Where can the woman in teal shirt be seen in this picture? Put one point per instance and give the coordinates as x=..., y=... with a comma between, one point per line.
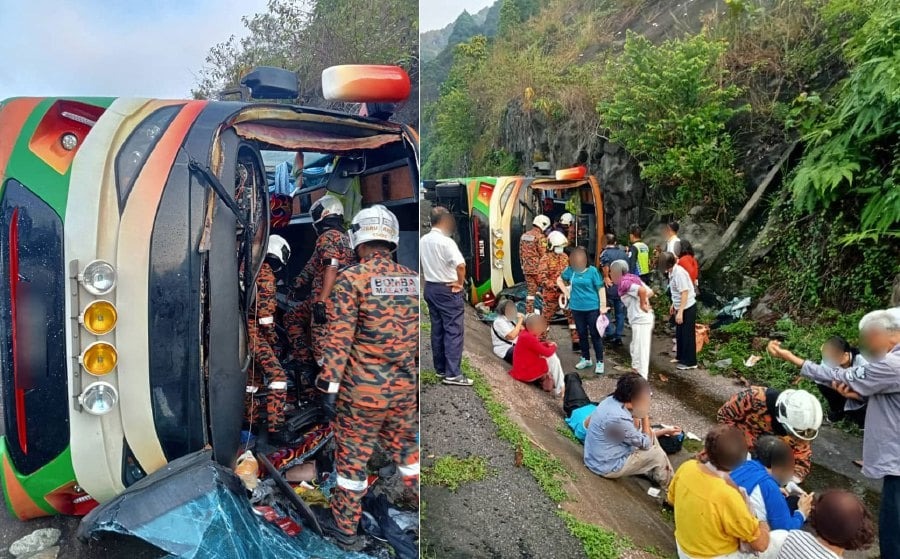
x=583, y=287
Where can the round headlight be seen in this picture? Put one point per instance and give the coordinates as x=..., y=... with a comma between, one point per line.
x=498, y=264
x=99, y=317
x=99, y=358
x=498, y=243
x=99, y=277
x=499, y=254
x=498, y=233
x=68, y=141
x=99, y=398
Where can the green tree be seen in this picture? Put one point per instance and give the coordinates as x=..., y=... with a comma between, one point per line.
x=667, y=106
x=464, y=28
x=853, y=147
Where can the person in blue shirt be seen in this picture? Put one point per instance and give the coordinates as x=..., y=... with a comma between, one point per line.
x=577, y=406
x=610, y=254
x=771, y=468
x=615, y=447
x=583, y=287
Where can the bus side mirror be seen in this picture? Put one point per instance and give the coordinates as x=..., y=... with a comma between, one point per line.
x=266, y=82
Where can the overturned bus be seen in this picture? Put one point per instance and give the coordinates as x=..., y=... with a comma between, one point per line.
x=128, y=228
x=492, y=213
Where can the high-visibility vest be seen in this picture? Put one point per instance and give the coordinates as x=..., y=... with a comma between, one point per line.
x=641, y=260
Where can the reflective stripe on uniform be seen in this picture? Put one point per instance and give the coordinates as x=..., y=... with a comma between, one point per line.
x=334, y=263
x=352, y=484
x=529, y=298
x=571, y=326
x=252, y=389
x=333, y=387
x=278, y=385
x=409, y=470
x=266, y=320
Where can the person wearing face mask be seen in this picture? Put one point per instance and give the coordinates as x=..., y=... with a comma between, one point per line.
x=505, y=330
x=837, y=352
x=771, y=468
x=879, y=382
x=615, y=447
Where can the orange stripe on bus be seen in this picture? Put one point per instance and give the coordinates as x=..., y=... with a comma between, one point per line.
x=12, y=117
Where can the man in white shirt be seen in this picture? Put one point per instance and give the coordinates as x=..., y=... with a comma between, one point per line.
x=506, y=329
x=444, y=270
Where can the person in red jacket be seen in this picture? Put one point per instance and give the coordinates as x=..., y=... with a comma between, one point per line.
x=534, y=359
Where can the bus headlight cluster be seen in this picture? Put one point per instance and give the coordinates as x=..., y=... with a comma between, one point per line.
x=99, y=358
x=99, y=277
x=498, y=233
x=98, y=398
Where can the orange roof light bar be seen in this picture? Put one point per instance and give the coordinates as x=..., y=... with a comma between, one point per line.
x=365, y=83
x=571, y=173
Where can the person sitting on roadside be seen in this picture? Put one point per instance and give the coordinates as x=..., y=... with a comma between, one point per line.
x=505, y=329
x=837, y=352
x=534, y=359
x=841, y=523
x=636, y=297
x=793, y=415
x=615, y=447
x=771, y=468
x=712, y=518
x=577, y=406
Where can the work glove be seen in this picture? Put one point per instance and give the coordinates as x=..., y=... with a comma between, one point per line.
x=319, y=313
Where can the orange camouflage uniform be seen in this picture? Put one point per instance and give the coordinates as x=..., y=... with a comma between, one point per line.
x=532, y=248
x=371, y=360
x=267, y=371
x=747, y=410
x=552, y=266
x=306, y=337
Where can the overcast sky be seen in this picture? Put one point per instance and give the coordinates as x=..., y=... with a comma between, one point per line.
x=436, y=14
x=147, y=48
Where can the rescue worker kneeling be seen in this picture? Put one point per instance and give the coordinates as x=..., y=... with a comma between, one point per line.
x=370, y=368
x=267, y=371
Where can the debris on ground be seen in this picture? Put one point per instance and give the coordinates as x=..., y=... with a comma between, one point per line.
x=723, y=363
x=752, y=360
x=34, y=543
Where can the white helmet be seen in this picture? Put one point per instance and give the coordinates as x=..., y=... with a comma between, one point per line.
x=557, y=239
x=800, y=413
x=375, y=223
x=279, y=249
x=325, y=206
x=541, y=221
x=567, y=219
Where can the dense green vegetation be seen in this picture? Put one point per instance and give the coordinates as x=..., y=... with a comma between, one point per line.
x=309, y=36
x=699, y=103
x=451, y=471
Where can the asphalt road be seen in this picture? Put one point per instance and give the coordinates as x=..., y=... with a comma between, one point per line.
x=506, y=515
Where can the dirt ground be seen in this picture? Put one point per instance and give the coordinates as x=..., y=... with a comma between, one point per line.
x=686, y=399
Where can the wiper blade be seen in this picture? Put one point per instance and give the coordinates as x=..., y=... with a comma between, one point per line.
x=217, y=186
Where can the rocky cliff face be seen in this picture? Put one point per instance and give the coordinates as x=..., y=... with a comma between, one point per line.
x=532, y=136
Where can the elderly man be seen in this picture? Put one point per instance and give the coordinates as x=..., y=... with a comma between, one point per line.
x=444, y=270
x=879, y=381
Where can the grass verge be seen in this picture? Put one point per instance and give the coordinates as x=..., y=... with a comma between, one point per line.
x=546, y=469
x=598, y=542
x=429, y=377
x=451, y=472
x=564, y=430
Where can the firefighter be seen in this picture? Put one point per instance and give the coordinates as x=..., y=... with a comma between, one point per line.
x=552, y=266
x=305, y=323
x=565, y=225
x=370, y=370
x=267, y=372
x=532, y=248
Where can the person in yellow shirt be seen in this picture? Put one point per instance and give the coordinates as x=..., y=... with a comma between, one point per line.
x=712, y=517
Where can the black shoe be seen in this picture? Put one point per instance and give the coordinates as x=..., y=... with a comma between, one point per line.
x=331, y=531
